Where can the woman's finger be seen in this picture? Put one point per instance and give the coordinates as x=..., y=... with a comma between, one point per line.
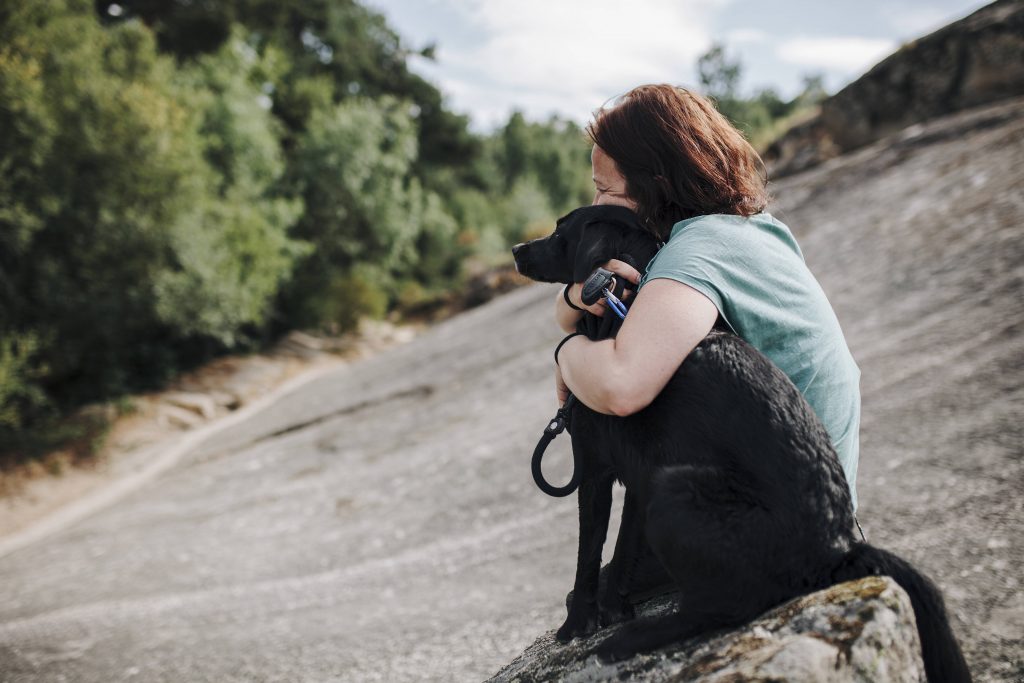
x=624, y=270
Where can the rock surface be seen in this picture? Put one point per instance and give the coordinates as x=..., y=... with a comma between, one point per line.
x=976, y=60
x=858, y=631
x=202, y=405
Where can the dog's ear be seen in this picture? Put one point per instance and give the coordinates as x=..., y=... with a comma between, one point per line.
x=597, y=245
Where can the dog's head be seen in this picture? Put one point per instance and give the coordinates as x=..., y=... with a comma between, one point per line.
x=583, y=240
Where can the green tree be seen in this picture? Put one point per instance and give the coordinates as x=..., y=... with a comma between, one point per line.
x=137, y=215
x=552, y=158
x=718, y=75
x=235, y=254
x=336, y=48
x=366, y=212
x=107, y=180
x=765, y=114
x=20, y=394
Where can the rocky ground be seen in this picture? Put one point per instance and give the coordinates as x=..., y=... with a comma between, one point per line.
x=380, y=522
x=32, y=494
x=919, y=242
x=849, y=633
x=968, y=63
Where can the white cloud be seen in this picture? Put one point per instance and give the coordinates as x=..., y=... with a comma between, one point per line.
x=745, y=35
x=570, y=56
x=850, y=54
x=567, y=56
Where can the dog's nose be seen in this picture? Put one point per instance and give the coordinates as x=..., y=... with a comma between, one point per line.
x=515, y=255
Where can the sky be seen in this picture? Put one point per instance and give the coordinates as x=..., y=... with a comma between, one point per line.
x=568, y=57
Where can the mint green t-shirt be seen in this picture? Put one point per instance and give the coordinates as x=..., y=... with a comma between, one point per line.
x=754, y=273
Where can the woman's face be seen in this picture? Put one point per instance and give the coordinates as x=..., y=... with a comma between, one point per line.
x=610, y=185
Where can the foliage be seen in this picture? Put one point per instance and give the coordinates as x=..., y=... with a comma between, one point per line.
x=335, y=49
x=20, y=395
x=756, y=116
x=364, y=207
x=136, y=213
x=235, y=254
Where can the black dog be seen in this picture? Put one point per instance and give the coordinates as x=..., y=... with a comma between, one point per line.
x=728, y=473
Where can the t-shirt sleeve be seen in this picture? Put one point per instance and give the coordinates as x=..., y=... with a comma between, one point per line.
x=694, y=260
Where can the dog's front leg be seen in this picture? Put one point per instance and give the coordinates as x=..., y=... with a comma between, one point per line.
x=595, y=501
x=613, y=605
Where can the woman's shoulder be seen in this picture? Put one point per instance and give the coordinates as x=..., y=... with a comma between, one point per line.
x=711, y=223
x=732, y=234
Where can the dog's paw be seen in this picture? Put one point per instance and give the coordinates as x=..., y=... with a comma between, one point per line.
x=643, y=635
x=579, y=624
x=616, y=648
x=615, y=609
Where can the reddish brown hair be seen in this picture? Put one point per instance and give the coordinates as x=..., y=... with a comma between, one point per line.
x=680, y=157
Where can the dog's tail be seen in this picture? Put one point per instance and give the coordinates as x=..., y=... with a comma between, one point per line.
x=943, y=660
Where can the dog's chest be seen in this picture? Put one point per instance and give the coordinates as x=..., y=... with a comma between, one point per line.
x=606, y=445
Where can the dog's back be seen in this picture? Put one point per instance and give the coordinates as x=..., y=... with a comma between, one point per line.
x=730, y=410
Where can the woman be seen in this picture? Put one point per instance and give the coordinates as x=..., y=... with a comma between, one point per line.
x=696, y=184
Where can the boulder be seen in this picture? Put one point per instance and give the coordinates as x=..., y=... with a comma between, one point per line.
x=974, y=61
x=862, y=630
x=200, y=404
x=178, y=417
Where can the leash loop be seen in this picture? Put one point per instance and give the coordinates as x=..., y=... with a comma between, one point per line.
x=555, y=427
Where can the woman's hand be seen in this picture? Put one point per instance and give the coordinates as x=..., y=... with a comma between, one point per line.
x=568, y=317
x=567, y=320
x=622, y=270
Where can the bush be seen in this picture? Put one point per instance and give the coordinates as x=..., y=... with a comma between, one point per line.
x=365, y=210
x=21, y=396
x=138, y=202
x=177, y=182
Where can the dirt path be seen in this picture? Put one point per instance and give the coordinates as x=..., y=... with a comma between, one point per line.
x=161, y=425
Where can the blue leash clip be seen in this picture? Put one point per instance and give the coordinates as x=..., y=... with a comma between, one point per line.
x=615, y=303
x=599, y=284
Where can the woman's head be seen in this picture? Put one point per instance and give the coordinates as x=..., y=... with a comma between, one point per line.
x=678, y=157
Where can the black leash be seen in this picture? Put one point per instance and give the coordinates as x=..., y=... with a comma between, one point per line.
x=599, y=284
x=557, y=425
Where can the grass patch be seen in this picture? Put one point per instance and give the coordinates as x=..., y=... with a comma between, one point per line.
x=61, y=441
x=764, y=137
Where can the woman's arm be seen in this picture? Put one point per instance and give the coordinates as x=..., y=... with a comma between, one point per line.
x=623, y=375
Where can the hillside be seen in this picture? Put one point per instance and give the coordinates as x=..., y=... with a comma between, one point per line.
x=971, y=62
x=381, y=523
x=918, y=241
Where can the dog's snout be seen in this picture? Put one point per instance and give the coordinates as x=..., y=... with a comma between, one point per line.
x=515, y=256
